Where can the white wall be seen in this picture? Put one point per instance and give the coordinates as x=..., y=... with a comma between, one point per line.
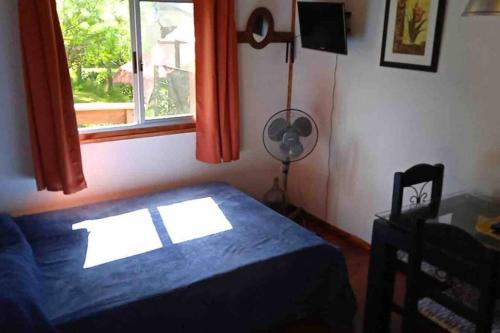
x=388, y=119
x=124, y=168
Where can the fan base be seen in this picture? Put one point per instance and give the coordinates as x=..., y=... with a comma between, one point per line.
x=295, y=214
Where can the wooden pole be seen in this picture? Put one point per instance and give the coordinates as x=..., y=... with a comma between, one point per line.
x=286, y=164
x=290, y=62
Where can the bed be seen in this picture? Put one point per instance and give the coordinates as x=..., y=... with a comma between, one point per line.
x=205, y=258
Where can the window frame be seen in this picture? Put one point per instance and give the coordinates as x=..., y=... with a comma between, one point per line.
x=144, y=127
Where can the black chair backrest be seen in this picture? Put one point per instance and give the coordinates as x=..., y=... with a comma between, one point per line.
x=418, y=174
x=461, y=256
x=454, y=250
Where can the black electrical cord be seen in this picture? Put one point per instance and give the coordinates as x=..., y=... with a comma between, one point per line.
x=330, y=140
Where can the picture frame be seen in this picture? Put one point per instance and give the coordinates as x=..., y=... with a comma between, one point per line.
x=412, y=34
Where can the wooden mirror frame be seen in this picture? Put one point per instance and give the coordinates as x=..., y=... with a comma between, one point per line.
x=271, y=37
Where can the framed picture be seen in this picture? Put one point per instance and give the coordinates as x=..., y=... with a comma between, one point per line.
x=412, y=34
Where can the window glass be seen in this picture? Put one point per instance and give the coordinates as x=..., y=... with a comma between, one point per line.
x=167, y=38
x=131, y=62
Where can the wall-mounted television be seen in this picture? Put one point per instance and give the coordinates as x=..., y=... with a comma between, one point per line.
x=323, y=26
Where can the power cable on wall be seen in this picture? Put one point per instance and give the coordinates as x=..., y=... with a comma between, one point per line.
x=330, y=140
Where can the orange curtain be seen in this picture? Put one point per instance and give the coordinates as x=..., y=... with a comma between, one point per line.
x=217, y=85
x=52, y=120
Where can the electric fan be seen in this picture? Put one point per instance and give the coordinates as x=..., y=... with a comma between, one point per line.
x=290, y=136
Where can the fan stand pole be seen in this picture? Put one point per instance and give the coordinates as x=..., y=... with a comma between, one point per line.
x=285, y=170
x=286, y=164
x=296, y=214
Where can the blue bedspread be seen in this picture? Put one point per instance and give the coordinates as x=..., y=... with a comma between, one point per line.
x=206, y=258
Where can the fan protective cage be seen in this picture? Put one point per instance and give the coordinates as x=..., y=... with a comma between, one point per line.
x=290, y=125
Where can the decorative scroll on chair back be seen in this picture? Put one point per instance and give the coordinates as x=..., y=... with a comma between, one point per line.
x=464, y=259
x=418, y=174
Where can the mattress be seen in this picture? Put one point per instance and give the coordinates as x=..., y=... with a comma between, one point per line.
x=202, y=258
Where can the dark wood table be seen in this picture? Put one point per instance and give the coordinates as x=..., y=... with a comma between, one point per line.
x=391, y=234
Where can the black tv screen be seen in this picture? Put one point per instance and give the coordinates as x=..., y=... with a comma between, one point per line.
x=323, y=26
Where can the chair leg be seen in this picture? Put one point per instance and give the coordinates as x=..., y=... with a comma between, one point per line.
x=410, y=313
x=487, y=302
x=485, y=323
x=380, y=287
x=486, y=317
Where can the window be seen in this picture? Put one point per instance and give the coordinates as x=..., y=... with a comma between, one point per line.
x=132, y=62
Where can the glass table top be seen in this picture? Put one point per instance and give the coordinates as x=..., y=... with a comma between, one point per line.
x=466, y=211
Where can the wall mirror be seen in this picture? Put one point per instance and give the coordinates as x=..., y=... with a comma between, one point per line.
x=260, y=30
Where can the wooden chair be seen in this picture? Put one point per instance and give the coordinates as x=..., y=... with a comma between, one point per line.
x=418, y=174
x=462, y=257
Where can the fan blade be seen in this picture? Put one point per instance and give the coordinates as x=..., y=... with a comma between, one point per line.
x=303, y=126
x=277, y=129
x=296, y=150
x=285, y=149
x=292, y=151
